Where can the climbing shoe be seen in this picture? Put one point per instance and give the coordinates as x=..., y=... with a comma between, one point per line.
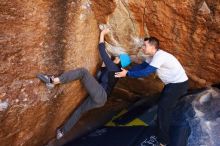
x=48, y=80
x=60, y=134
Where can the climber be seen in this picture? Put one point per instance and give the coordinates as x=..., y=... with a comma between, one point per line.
x=98, y=88
x=171, y=72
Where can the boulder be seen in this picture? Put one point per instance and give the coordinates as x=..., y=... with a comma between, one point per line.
x=55, y=36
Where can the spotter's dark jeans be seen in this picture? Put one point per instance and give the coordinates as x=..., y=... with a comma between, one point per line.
x=167, y=102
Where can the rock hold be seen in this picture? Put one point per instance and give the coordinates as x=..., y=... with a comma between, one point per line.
x=204, y=8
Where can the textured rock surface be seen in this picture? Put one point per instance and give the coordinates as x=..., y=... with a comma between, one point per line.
x=187, y=29
x=49, y=37
x=55, y=35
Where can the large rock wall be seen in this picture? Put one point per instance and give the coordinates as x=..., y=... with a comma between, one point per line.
x=58, y=35
x=190, y=31
x=187, y=29
x=48, y=37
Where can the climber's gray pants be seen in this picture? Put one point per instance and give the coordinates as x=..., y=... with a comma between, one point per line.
x=97, y=95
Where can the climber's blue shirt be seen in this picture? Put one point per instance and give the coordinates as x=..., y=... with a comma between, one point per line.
x=141, y=70
x=106, y=75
